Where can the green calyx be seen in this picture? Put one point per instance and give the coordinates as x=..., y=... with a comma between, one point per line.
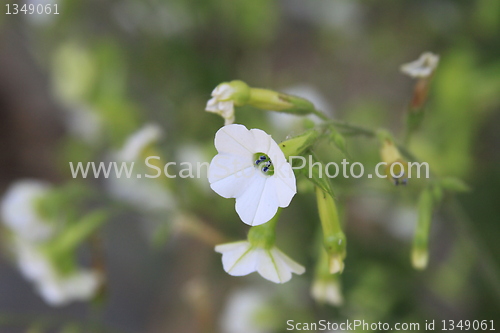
x=297, y=145
x=241, y=92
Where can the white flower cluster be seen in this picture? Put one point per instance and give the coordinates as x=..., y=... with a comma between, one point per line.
x=30, y=232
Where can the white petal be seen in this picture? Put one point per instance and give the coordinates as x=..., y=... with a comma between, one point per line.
x=229, y=175
x=227, y=247
x=285, y=184
x=272, y=268
x=292, y=265
x=212, y=105
x=261, y=141
x=224, y=92
x=235, y=139
x=19, y=213
x=285, y=188
x=238, y=258
x=258, y=204
x=138, y=141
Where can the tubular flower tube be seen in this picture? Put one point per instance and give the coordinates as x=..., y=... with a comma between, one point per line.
x=334, y=240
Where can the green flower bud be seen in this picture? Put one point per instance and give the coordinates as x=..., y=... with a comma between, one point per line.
x=297, y=145
x=271, y=100
x=334, y=240
x=419, y=254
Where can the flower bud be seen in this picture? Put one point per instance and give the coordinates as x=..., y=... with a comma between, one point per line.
x=271, y=100
x=226, y=96
x=396, y=168
x=326, y=287
x=334, y=240
x=297, y=145
x=419, y=255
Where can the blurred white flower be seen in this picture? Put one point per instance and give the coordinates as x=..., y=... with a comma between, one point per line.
x=136, y=144
x=241, y=258
x=241, y=312
x=84, y=123
x=221, y=103
x=251, y=168
x=61, y=290
x=144, y=193
x=55, y=289
x=327, y=291
x=423, y=67
x=19, y=210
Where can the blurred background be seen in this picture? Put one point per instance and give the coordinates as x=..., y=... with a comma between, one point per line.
x=75, y=86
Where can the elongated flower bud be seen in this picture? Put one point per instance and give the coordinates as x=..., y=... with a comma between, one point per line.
x=271, y=100
x=419, y=254
x=334, y=240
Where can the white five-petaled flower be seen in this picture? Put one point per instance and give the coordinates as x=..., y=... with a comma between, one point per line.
x=423, y=67
x=251, y=168
x=19, y=211
x=242, y=258
x=56, y=289
x=221, y=103
x=30, y=232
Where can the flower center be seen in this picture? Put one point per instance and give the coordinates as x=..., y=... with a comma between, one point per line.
x=264, y=163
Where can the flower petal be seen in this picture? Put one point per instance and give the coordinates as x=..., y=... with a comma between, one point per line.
x=229, y=175
x=261, y=141
x=292, y=265
x=272, y=268
x=258, y=204
x=235, y=139
x=237, y=258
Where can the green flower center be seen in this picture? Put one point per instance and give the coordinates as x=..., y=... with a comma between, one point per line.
x=264, y=163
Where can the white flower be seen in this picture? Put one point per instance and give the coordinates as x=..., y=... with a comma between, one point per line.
x=221, y=103
x=19, y=213
x=241, y=258
x=55, y=288
x=423, y=67
x=251, y=168
x=138, y=142
x=145, y=193
x=79, y=286
x=243, y=312
x=327, y=291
